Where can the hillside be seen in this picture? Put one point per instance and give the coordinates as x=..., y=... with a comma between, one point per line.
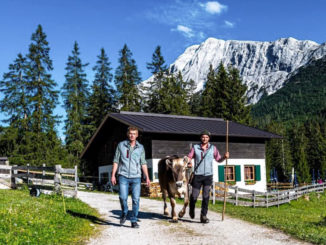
x=302, y=97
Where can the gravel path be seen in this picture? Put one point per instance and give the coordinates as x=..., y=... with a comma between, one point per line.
x=155, y=228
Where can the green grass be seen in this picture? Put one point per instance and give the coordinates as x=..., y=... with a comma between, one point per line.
x=302, y=219
x=41, y=220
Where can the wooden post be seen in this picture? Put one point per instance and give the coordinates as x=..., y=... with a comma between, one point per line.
x=267, y=199
x=236, y=195
x=57, y=179
x=13, y=179
x=278, y=199
x=254, y=195
x=226, y=164
x=214, y=192
x=27, y=174
x=76, y=181
x=43, y=174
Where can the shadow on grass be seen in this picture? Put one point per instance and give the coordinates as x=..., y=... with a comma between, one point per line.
x=91, y=218
x=320, y=223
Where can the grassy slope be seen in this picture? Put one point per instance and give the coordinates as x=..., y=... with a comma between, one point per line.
x=30, y=220
x=302, y=219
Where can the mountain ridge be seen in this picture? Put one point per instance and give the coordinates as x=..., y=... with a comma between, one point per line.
x=263, y=66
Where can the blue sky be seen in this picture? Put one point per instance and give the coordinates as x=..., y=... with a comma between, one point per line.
x=144, y=24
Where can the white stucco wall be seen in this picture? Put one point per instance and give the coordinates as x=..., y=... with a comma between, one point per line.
x=258, y=186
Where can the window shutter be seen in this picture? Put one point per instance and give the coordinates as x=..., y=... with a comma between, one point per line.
x=221, y=173
x=257, y=173
x=237, y=173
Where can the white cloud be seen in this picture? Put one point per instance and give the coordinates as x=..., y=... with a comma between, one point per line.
x=186, y=31
x=228, y=24
x=190, y=18
x=214, y=7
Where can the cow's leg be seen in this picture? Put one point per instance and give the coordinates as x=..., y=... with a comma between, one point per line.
x=185, y=204
x=173, y=214
x=166, y=211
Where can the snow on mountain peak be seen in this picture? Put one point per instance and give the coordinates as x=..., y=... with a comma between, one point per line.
x=263, y=66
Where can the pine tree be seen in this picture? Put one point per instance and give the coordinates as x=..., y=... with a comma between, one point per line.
x=298, y=144
x=103, y=97
x=207, y=108
x=14, y=86
x=238, y=111
x=75, y=94
x=278, y=154
x=43, y=96
x=174, y=96
x=224, y=95
x=316, y=147
x=159, y=70
x=127, y=78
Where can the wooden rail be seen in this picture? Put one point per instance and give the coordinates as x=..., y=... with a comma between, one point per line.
x=42, y=177
x=244, y=197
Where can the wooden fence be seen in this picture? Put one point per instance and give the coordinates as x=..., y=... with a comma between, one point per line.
x=244, y=197
x=44, y=178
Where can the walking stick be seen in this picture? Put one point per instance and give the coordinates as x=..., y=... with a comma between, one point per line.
x=226, y=164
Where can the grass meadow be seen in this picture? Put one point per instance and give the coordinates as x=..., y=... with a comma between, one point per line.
x=302, y=219
x=42, y=220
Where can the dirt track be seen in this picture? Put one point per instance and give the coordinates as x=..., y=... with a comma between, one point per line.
x=155, y=228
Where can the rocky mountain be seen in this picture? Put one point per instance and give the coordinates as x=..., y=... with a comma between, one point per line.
x=263, y=66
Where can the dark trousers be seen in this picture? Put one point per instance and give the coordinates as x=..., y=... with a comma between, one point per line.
x=198, y=182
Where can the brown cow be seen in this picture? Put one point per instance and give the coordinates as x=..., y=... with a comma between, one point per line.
x=173, y=181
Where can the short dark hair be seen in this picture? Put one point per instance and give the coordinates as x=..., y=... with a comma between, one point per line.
x=205, y=132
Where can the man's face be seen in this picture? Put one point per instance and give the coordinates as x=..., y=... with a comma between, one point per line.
x=204, y=139
x=132, y=135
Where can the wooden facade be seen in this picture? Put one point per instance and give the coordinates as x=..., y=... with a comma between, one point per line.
x=166, y=135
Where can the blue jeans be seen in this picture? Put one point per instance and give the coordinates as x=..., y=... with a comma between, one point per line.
x=134, y=184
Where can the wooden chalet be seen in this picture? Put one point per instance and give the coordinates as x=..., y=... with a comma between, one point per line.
x=164, y=135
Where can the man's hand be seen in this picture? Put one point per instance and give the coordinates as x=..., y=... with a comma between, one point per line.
x=188, y=161
x=148, y=182
x=113, y=180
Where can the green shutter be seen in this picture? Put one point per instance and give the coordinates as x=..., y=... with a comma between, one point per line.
x=257, y=173
x=221, y=173
x=237, y=173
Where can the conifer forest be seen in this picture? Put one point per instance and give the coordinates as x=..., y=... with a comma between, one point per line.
x=29, y=95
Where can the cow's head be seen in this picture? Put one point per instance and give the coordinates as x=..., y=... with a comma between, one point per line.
x=178, y=168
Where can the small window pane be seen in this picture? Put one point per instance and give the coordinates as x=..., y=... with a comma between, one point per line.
x=249, y=172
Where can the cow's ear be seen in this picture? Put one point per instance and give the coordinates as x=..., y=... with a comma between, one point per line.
x=168, y=163
x=185, y=160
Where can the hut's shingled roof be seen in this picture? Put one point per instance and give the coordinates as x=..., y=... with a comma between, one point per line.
x=173, y=124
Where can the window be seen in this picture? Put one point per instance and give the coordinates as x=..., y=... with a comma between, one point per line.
x=229, y=173
x=249, y=172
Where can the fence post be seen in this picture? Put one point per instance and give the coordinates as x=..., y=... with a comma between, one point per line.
x=27, y=174
x=278, y=199
x=13, y=179
x=236, y=195
x=254, y=194
x=76, y=181
x=57, y=179
x=266, y=199
x=214, y=192
x=289, y=196
x=43, y=174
